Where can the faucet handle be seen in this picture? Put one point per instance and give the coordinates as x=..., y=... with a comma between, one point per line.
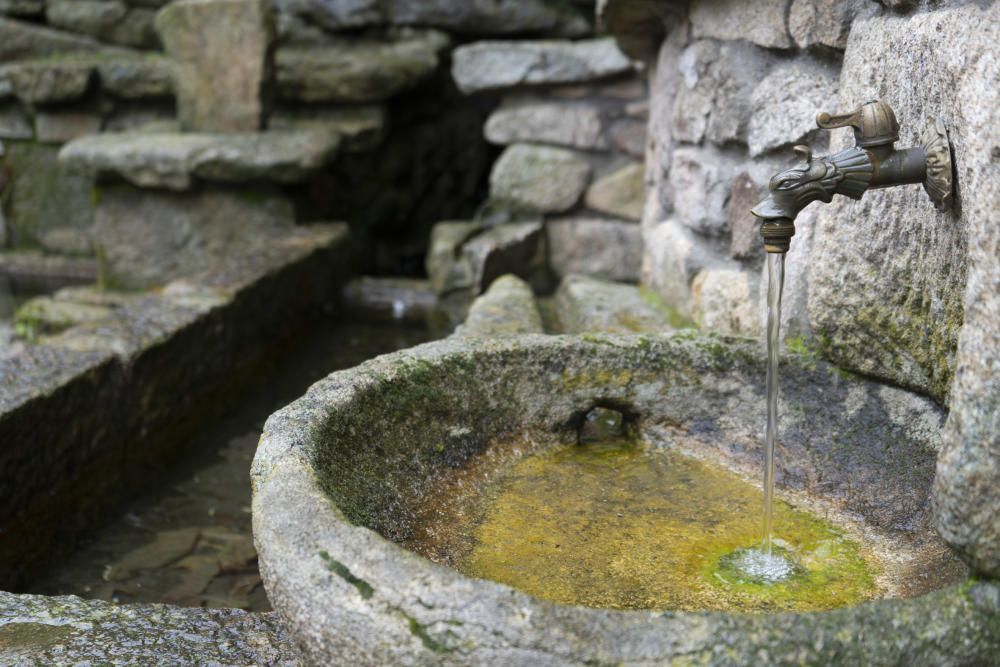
x=874, y=123
x=828, y=121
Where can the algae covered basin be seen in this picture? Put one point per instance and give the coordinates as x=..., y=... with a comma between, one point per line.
x=626, y=525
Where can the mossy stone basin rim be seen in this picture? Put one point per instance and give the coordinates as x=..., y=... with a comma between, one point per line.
x=339, y=473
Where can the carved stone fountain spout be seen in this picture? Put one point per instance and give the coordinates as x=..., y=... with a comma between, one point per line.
x=873, y=162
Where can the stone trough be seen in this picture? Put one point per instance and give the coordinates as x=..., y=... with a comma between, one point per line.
x=340, y=475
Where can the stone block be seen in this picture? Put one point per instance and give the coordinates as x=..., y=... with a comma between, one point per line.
x=49, y=82
x=507, y=308
x=759, y=21
x=517, y=248
x=358, y=69
x=585, y=304
x=672, y=256
x=444, y=270
x=113, y=21
x=175, y=160
x=14, y=122
x=701, y=180
x=22, y=8
x=744, y=227
x=621, y=193
x=150, y=237
x=21, y=40
x=572, y=125
x=724, y=300
x=205, y=38
x=539, y=178
x=784, y=105
x=629, y=136
x=136, y=77
x=608, y=249
x=499, y=65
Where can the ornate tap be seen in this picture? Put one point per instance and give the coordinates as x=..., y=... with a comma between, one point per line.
x=872, y=163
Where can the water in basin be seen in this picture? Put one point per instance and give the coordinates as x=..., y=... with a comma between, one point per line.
x=628, y=525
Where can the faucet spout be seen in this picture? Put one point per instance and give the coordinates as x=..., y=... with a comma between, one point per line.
x=872, y=163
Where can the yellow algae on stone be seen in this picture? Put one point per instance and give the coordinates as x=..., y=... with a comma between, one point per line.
x=627, y=526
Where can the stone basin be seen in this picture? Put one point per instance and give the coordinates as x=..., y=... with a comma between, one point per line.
x=340, y=475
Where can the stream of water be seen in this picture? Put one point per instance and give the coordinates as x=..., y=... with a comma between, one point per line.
x=775, y=283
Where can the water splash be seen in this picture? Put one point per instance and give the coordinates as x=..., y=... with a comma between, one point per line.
x=776, y=279
x=764, y=567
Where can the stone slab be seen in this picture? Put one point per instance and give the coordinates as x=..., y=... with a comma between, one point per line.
x=21, y=40
x=759, y=21
x=572, y=125
x=175, y=160
x=358, y=70
x=621, y=193
x=499, y=65
x=539, y=178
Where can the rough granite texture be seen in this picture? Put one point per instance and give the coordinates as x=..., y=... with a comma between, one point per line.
x=40, y=630
x=608, y=249
x=336, y=470
x=507, y=308
x=905, y=265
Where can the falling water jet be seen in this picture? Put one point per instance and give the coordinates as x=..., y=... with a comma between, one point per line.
x=776, y=279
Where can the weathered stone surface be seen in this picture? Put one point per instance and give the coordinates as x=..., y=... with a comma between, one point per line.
x=506, y=309
x=608, y=249
x=725, y=301
x=71, y=241
x=41, y=194
x=45, y=83
x=744, y=228
x=515, y=247
x=759, y=21
x=323, y=503
x=132, y=78
x=665, y=80
x=205, y=38
x=573, y=125
x=14, y=123
x=497, y=65
x=673, y=255
x=476, y=17
x=112, y=21
x=486, y=17
x=784, y=105
x=20, y=40
x=60, y=126
x=358, y=70
x=28, y=8
x=150, y=237
x=586, y=304
x=701, y=180
x=714, y=100
x=621, y=193
x=47, y=315
x=539, y=178
x=823, y=23
x=174, y=160
x=904, y=262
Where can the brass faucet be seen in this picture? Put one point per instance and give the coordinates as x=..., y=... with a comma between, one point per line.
x=872, y=163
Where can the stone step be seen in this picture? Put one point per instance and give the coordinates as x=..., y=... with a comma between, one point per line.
x=20, y=40
x=500, y=65
x=589, y=305
x=358, y=69
x=175, y=160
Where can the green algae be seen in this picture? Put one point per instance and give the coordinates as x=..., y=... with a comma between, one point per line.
x=627, y=526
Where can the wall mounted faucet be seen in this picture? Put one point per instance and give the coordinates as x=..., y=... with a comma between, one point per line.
x=872, y=163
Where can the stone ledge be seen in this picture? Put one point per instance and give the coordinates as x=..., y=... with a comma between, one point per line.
x=61, y=78
x=36, y=630
x=174, y=160
x=589, y=305
x=109, y=400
